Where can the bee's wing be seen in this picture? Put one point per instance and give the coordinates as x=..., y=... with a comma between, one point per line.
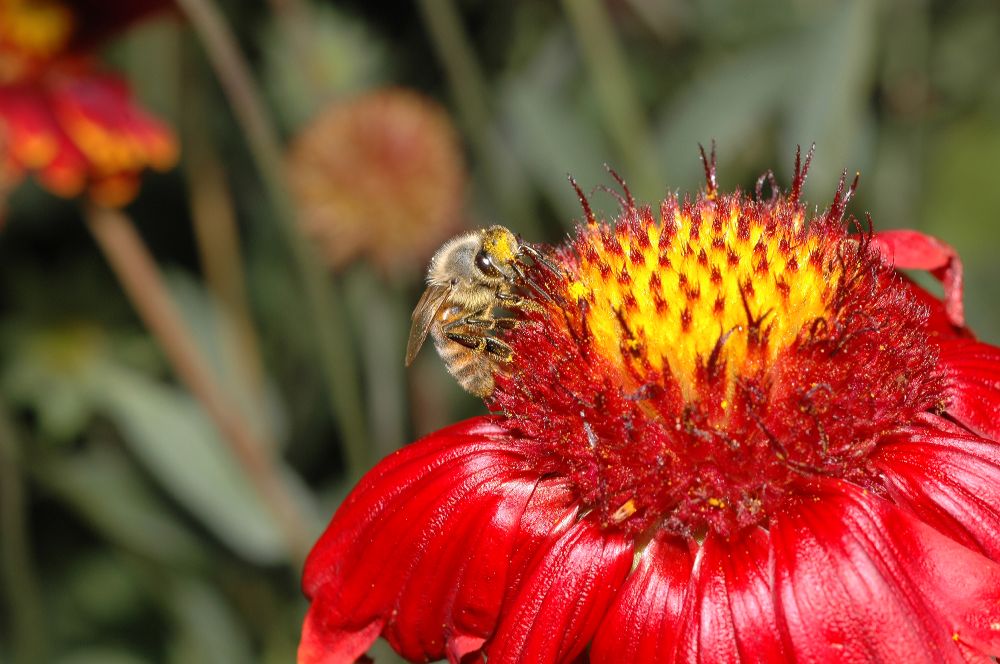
x=423, y=315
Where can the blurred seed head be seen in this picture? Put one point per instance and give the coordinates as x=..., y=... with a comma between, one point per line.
x=380, y=177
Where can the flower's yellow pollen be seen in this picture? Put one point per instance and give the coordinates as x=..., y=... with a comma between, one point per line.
x=687, y=295
x=717, y=503
x=577, y=291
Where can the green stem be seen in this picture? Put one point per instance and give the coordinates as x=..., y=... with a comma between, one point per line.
x=509, y=188
x=616, y=95
x=336, y=358
x=216, y=233
x=384, y=315
x=19, y=580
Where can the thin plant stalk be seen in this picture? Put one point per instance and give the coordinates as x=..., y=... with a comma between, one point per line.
x=27, y=623
x=336, y=358
x=295, y=19
x=616, y=96
x=137, y=272
x=385, y=317
x=471, y=93
x=217, y=238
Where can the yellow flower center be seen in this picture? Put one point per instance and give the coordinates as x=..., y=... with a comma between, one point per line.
x=703, y=287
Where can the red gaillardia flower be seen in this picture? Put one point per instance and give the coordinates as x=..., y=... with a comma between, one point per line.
x=733, y=433
x=72, y=123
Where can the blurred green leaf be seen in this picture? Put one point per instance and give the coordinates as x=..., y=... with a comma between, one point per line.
x=314, y=53
x=207, y=631
x=108, y=493
x=169, y=432
x=213, y=328
x=961, y=204
x=955, y=72
x=826, y=99
x=104, y=588
x=731, y=101
x=46, y=372
x=99, y=655
x=550, y=141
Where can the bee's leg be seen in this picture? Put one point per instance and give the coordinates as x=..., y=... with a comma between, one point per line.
x=481, y=321
x=477, y=319
x=513, y=301
x=495, y=323
x=495, y=348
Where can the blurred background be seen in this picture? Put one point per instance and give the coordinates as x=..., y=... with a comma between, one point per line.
x=216, y=215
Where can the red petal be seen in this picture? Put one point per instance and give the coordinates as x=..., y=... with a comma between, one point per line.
x=495, y=561
x=563, y=598
x=949, y=479
x=455, y=590
x=972, y=373
x=911, y=250
x=642, y=624
x=422, y=502
x=729, y=614
x=859, y=580
x=324, y=642
x=97, y=111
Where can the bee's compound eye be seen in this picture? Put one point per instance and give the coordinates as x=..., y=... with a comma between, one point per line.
x=485, y=265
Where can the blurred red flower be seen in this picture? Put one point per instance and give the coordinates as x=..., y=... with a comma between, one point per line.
x=73, y=124
x=379, y=176
x=732, y=435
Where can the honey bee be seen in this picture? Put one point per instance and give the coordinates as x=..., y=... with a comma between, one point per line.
x=468, y=278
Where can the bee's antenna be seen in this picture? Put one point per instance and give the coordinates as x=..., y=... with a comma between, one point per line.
x=540, y=258
x=531, y=282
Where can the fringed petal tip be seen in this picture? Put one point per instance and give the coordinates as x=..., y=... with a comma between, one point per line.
x=912, y=250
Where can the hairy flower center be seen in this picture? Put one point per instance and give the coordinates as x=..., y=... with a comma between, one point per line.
x=691, y=371
x=721, y=285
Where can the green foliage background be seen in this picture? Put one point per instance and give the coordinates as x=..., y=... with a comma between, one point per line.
x=128, y=532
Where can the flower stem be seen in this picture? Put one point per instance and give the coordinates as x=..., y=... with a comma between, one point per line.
x=384, y=317
x=471, y=93
x=336, y=358
x=616, y=95
x=19, y=580
x=143, y=283
x=215, y=229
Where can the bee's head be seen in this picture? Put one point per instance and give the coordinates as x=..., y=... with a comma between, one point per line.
x=500, y=249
